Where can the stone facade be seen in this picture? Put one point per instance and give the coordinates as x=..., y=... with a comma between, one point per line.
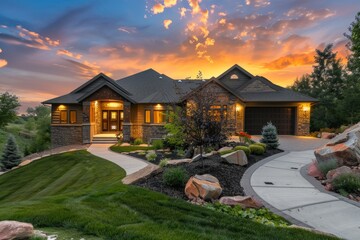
x=66, y=135
x=151, y=131
x=303, y=120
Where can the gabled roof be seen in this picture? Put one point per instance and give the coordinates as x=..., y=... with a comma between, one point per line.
x=238, y=68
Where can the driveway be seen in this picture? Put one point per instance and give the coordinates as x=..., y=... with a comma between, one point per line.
x=281, y=183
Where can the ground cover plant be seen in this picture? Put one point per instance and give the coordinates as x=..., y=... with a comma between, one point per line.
x=85, y=195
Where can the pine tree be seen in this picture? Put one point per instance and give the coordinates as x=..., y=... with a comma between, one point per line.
x=270, y=136
x=10, y=157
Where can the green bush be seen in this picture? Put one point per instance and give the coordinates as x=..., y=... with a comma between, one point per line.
x=138, y=141
x=244, y=148
x=270, y=136
x=348, y=182
x=164, y=162
x=261, y=144
x=175, y=177
x=151, y=157
x=180, y=152
x=158, y=144
x=226, y=152
x=256, y=149
x=326, y=166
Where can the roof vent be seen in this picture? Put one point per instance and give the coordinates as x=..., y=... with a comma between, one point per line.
x=160, y=77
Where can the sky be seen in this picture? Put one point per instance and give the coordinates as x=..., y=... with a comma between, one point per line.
x=48, y=48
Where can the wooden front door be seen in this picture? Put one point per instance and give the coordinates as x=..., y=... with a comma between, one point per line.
x=112, y=120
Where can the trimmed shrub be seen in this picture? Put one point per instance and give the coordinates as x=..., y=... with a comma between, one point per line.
x=151, y=157
x=138, y=141
x=10, y=157
x=348, y=182
x=180, y=152
x=326, y=166
x=261, y=144
x=158, y=144
x=256, y=149
x=163, y=162
x=244, y=148
x=226, y=152
x=175, y=177
x=270, y=136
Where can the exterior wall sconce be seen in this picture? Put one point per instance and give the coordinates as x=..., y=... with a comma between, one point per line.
x=238, y=107
x=306, y=109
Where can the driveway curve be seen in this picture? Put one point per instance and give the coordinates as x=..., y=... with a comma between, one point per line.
x=281, y=183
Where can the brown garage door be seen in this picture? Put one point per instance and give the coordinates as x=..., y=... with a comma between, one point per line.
x=282, y=117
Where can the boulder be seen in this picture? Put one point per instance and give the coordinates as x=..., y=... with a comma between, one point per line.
x=125, y=144
x=314, y=171
x=25, y=162
x=237, y=157
x=243, y=201
x=327, y=135
x=196, y=158
x=15, y=230
x=225, y=149
x=332, y=174
x=206, y=187
x=345, y=148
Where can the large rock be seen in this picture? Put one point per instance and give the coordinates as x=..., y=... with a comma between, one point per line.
x=332, y=174
x=15, y=230
x=314, y=171
x=327, y=135
x=225, y=149
x=238, y=157
x=345, y=148
x=243, y=201
x=206, y=187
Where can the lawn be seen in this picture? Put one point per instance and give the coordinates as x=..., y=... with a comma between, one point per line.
x=78, y=193
x=131, y=148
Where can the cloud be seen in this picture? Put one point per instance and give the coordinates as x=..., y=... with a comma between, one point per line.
x=222, y=21
x=222, y=14
x=3, y=63
x=127, y=29
x=167, y=23
x=84, y=69
x=258, y=3
x=68, y=53
x=194, y=4
x=157, y=8
x=291, y=60
x=182, y=12
x=169, y=3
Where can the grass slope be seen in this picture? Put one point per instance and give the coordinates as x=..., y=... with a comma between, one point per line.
x=81, y=193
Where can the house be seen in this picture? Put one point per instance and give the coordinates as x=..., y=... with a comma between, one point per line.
x=135, y=105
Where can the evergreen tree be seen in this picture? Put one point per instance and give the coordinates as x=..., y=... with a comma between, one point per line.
x=302, y=85
x=270, y=136
x=10, y=157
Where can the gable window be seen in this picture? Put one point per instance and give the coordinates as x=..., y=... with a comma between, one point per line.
x=72, y=116
x=63, y=116
x=159, y=116
x=234, y=76
x=147, y=116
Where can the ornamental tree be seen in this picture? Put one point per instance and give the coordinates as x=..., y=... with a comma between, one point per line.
x=270, y=136
x=11, y=157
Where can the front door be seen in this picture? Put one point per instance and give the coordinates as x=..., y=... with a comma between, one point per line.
x=112, y=120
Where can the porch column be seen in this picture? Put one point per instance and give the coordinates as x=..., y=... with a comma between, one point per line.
x=86, y=123
x=126, y=123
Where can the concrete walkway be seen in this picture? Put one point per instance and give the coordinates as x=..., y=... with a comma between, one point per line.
x=128, y=163
x=283, y=186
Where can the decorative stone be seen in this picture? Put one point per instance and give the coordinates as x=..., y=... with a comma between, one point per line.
x=125, y=144
x=179, y=161
x=225, y=149
x=212, y=153
x=143, y=145
x=243, y=201
x=314, y=171
x=206, y=187
x=143, y=174
x=327, y=135
x=196, y=158
x=15, y=230
x=26, y=162
x=238, y=157
x=332, y=174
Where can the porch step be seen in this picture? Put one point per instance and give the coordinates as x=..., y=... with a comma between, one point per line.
x=104, y=140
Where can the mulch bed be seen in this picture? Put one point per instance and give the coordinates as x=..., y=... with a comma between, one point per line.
x=160, y=155
x=229, y=175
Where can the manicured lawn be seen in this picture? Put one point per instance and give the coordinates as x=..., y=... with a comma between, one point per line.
x=120, y=149
x=78, y=193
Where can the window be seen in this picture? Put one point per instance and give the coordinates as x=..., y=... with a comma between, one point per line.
x=147, y=116
x=72, y=116
x=234, y=76
x=63, y=116
x=159, y=116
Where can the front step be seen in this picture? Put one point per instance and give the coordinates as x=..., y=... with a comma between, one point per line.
x=104, y=140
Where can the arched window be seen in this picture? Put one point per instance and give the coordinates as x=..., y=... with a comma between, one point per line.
x=234, y=76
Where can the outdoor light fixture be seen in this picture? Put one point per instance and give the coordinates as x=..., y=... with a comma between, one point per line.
x=238, y=107
x=306, y=109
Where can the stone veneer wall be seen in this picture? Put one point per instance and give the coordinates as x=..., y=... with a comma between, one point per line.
x=153, y=131
x=303, y=121
x=66, y=135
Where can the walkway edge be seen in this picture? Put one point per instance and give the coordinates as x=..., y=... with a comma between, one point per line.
x=246, y=184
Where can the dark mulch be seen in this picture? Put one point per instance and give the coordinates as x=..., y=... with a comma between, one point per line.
x=160, y=155
x=229, y=175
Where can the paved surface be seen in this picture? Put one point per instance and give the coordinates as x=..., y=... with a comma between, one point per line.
x=282, y=184
x=128, y=163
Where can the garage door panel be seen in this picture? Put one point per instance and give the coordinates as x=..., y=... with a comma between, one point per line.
x=282, y=117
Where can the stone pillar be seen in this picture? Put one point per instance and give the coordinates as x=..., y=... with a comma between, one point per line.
x=303, y=120
x=86, y=123
x=126, y=123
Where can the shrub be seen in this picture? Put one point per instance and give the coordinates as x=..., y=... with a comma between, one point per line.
x=348, y=182
x=10, y=157
x=180, y=152
x=256, y=149
x=151, y=157
x=325, y=166
x=164, y=162
x=261, y=144
x=270, y=136
x=138, y=141
x=158, y=144
x=175, y=177
x=244, y=148
x=226, y=152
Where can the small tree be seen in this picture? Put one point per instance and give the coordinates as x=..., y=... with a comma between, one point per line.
x=8, y=106
x=10, y=157
x=270, y=136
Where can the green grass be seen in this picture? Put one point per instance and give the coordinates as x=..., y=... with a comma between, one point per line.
x=79, y=194
x=120, y=149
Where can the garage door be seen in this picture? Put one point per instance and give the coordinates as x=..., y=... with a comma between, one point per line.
x=282, y=117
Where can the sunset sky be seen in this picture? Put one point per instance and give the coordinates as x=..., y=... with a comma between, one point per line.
x=47, y=48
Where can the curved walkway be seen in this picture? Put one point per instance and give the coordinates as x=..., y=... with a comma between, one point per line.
x=128, y=163
x=281, y=183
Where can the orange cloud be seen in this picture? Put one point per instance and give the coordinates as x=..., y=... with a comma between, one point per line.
x=258, y=3
x=157, y=8
x=222, y=21
x=182, y=12
x=194, y=4
x=3, y=63
x=222, y=14
x=167, y=23
x=291, y=60
x=169, y=3
x=34, y=40
x=68, y=53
